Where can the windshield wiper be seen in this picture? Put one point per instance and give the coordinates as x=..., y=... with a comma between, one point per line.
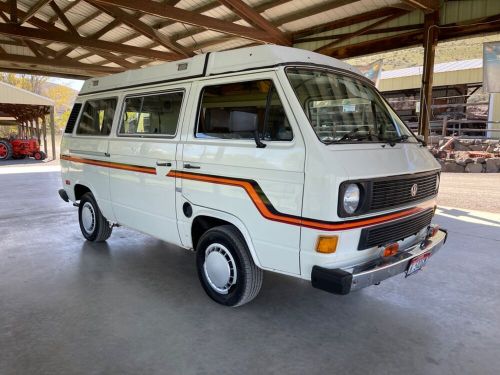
x=353, y=136
x=392, y=141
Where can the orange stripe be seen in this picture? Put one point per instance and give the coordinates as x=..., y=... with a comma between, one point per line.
x=107, y=164
x=294, y=220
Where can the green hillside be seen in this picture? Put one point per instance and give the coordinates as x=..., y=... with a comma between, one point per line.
x=457, y=50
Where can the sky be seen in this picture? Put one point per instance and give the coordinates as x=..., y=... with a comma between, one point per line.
x=75, y=84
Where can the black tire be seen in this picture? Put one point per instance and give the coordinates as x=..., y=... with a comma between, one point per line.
x=7, y=150
x=100, y=229
x=44, y=155
x=248, y=280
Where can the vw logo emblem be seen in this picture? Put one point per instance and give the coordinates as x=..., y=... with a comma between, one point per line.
x=413, y=190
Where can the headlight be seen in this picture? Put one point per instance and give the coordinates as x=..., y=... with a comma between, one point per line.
x=437, y=182
x=351, y=198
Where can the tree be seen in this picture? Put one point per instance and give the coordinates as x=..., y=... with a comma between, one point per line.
x=28, y=82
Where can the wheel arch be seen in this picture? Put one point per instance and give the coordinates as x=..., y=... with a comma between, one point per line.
x=207, y=219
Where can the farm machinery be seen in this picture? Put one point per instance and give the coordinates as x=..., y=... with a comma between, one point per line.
x=14, y=148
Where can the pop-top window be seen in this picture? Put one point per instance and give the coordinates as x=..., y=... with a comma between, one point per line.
x=97, y=117
x=152, y=115
x=255, y=97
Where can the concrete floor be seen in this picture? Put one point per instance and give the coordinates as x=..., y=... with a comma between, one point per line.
x=134, y=305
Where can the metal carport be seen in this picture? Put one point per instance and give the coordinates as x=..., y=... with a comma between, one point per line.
x=30, y=112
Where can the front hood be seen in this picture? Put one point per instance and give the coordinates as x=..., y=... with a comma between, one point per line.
x=364, y=161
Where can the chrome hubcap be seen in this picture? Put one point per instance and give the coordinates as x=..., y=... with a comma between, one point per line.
x=219, y=268
x=88, y=217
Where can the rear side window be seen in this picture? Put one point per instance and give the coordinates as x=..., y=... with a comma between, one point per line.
x=97, y=117
x=156, y=114
x=258, y=97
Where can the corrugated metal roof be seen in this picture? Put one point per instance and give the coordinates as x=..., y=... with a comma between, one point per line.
x=13, y=95
x=438, y=68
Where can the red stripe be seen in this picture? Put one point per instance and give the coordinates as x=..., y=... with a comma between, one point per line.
x=108, y=164
x=295, y=220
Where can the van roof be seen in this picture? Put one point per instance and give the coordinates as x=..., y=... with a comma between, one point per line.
x=213, y=63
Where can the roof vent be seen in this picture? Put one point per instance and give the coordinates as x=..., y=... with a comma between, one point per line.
x=95, y=83
x=182, y=66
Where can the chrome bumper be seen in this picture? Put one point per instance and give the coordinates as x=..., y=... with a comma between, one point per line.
x=339, y=281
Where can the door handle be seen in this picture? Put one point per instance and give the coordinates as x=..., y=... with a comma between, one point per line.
x=190, y=166
x=163, y=164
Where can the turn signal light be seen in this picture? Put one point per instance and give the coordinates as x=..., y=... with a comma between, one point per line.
x=391, y=250
x=433, y=229
x=327, y=244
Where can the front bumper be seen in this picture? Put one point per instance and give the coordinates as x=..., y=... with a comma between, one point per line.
x=339, y=281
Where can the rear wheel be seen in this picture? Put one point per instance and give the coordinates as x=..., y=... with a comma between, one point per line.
x=226, y=269
x=43, y=155
x=38, y=155
x=6, y=150
x=94, y=226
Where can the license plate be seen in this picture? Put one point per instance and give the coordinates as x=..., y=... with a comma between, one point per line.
x=417, y=264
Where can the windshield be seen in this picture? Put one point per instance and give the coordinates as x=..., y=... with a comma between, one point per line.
x=343, y=109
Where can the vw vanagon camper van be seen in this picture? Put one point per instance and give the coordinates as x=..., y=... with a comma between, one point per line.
x=259, y=159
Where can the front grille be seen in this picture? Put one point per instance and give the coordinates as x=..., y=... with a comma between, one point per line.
x=393, y=192
x=388, y=233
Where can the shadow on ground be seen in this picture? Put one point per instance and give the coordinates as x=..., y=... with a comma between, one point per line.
x=134, y=305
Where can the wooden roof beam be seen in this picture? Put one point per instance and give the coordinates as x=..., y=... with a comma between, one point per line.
x=309, y=11
x=4, y=17
x=343, y=22
x=415, y=26
x=139, y=26
x=65, y=9
x=361, y=31
x=60, y=54
x=35, y=8
x=77, y=74
x=192, y=18
x=48, y=64
x=69, y=26
x=256, y=19
x=13, y=11
x=33, y=47
x=427, y=6
x=262, y=7
x=68, y=38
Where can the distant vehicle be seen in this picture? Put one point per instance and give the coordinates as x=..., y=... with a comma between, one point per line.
x=262, y=158
x=15, y=148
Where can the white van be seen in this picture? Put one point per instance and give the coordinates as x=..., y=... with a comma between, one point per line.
x=262, y=158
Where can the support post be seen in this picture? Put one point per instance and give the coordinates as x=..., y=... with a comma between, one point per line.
x=37, y=122
x=53, y=133
x=445, y=126
x=44, y=132
x=431, y=21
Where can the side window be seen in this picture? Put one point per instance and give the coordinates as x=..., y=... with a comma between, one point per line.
x=258, y=97
x=97, y=117
x=156, y=114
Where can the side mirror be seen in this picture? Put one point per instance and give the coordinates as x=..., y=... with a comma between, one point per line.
x=245, y=122
x=421, y=139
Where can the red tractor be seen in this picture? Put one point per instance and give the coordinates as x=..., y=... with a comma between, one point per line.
x=20, y=148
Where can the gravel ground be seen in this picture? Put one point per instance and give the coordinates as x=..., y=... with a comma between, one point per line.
x=474, y=191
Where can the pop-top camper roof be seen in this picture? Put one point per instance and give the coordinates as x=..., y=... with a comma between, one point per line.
x=212, y=64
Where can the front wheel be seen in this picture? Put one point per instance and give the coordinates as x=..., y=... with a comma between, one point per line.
x=94, y=226
x=226, y=269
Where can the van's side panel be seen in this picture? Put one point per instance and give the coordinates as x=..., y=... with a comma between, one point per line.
x=145, y=199
x=93, y=177
x=278, y=173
